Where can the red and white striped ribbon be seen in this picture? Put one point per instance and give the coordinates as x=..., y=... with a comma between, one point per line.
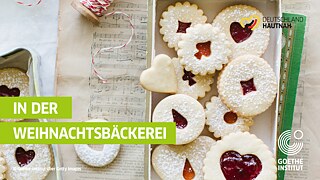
x=98, y=7
x=107, y=49
x=29, y=4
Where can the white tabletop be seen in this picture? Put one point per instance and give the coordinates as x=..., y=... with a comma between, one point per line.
x=34, y=27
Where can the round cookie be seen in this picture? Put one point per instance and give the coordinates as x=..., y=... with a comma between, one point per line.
x=177, y=19
x=23, y=157
x=13, y=83
x=247, y=85
x=96, y=158
x=243, y=26
x=240, y=156
x=187, y=112
x=203, y=49
x=3, y=167
x=195, y=86
x=222, y=121
x=173, y=162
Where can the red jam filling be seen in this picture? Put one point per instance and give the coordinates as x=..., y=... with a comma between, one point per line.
x=188, y=76
x=188, y=172
x=238, y=33
x=181, y=122
x=240, y=167
x=6, y=92
x=182, y=28
x=24, y=157
x=247, y=86
x=204, y=49
x=230, y=117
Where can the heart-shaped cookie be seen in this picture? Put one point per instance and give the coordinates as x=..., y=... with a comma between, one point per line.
x=181, y=162
x=22, y=158
x=161, y=76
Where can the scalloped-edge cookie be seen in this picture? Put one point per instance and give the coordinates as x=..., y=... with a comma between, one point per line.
x=222, y=121
x=186, y=112
x=3, y=167
x=97, y=158
x=247, y=85
x=21, y=158
x=195, y=86
x=177, y=19
x=240, y=156
x=243, y=26
x=183, y=162
x=204, y=49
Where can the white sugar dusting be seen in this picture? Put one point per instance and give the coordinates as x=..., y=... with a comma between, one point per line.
x=169, y=23
x=257, y=43
x=199, y=89
x=215, y=111
x=189, y=108
x=41, y=163
x=220, y=49
x=245, y=68
x=169, y=160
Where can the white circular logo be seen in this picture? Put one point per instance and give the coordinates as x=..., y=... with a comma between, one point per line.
x=284, y=142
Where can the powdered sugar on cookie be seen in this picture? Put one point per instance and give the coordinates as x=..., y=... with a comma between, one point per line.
x=247, y=85
x=193, y=85
x=229, y=159
x=250, y=39
x=222, y=121
x=181, y=162
x=186, y=112
x=177, y=19
x=203, y=49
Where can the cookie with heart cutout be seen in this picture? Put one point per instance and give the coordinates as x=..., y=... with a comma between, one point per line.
x=161, y=76
x=3, y=167
x=222, y=121
x=177, y=19
x=204, y=49
x=247, y=85
x=240, y=155
x=243, y=26
x=13, y=83
x=97, y=158
x=186, y=112
x=185, y=162
x=195, y=86
x=23, y=157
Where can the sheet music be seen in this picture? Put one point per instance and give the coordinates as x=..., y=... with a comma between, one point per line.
x=121, y=98
x=307, y=107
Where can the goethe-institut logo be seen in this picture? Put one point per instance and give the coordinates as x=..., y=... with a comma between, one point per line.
x=290, y=164
x=284, y=140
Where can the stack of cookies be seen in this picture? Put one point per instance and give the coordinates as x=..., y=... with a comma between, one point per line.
x=21, y=161
x=231, y=48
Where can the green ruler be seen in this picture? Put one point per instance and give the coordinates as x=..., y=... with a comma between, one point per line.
x=290, y=68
